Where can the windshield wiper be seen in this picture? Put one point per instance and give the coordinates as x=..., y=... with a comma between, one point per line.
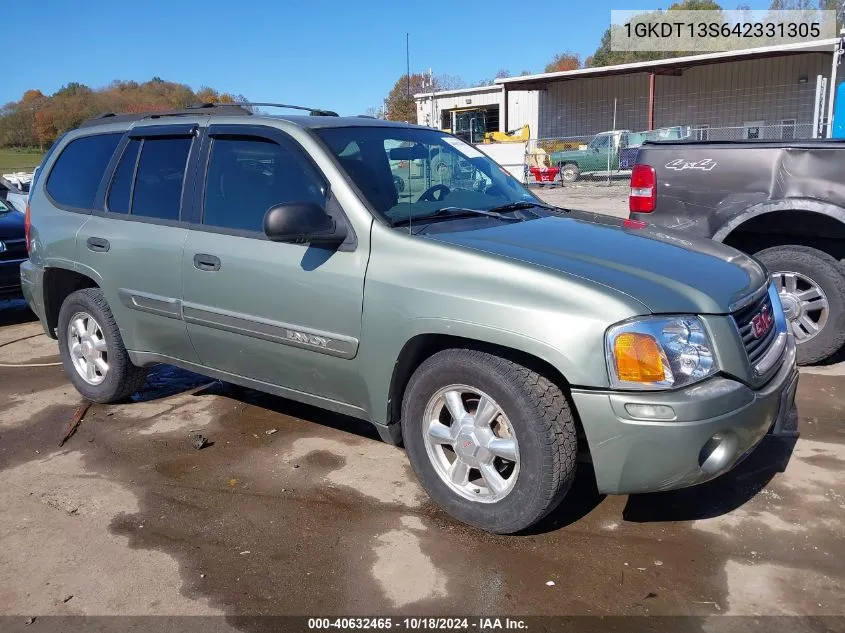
x=522, y=204
x=450, y=213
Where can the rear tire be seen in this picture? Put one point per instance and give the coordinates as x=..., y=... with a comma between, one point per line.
x=92, y=350
x=532, y=412
x=812, y=289
x=569, y=172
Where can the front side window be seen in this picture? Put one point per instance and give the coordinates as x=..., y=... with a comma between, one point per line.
x=413, y=172
x=249, y=175
x=600, y=143
x=76, y=175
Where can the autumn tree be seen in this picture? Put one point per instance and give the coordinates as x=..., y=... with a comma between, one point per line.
x=400, y=99
x=37, y=119
x=563, y=61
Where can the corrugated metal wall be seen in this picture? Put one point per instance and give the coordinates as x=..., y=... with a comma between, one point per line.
x=731, y=94
x=523, y=109
x=578, y=107
x=722, y=95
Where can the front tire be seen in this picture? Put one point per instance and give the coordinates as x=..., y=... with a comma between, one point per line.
x=811, y=285
x=492, y=442
x=92, y=350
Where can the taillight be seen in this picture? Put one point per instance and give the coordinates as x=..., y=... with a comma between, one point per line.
x=643, y=189
x=27, y=223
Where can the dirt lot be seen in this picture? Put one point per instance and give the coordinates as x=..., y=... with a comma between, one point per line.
x=295, y=511
x=600, y=197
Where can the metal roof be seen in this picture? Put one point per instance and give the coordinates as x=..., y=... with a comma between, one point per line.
x=458, y=91
x=820, y=46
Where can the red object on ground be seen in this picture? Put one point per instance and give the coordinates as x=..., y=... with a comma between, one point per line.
x=544, y=174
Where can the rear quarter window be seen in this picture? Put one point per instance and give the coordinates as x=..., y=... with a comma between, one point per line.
x=77, y=173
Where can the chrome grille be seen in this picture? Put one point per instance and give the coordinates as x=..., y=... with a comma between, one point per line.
x=14, y=249
x=755, y=347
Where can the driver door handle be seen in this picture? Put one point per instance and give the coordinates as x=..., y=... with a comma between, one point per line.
x=205, y=262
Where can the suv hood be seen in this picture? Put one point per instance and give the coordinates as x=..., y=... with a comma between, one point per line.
x=667, y=272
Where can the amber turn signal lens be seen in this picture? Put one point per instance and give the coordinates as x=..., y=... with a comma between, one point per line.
x=638, y=358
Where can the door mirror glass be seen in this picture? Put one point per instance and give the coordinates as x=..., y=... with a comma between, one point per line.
x=302, y=222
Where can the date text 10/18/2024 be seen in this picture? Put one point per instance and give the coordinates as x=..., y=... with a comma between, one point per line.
x=418, y=624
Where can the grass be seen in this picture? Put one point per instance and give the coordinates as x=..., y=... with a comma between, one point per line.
x=12, y=159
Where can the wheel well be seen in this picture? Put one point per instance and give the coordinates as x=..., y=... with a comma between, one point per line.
x=780, y=228
x=423, y=346
x=58, y=284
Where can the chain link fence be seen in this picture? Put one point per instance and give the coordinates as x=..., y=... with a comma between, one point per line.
x=591, y=131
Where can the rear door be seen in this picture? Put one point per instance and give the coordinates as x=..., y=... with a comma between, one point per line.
x=284, y=314
x=133, y=242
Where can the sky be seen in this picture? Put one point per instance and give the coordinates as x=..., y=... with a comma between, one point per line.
x=342, y=56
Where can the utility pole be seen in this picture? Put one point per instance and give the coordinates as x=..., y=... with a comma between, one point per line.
x=408, y=64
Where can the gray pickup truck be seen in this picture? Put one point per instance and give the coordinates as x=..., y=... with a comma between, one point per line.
x=498, y=338
x=783, y=203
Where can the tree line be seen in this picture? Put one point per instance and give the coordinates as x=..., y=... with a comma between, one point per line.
x=36, y=120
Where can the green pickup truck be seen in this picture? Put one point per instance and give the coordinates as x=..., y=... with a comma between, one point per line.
x=611, y=153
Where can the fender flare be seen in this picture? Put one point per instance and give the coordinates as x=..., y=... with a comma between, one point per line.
x=790, y=204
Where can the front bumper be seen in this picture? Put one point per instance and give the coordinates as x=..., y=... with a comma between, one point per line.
x=717, y=423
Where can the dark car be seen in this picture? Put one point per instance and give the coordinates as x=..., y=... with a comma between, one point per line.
x=782, y=202
x=12, y=250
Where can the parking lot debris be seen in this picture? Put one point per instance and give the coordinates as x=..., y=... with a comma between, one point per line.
x=271, y=431
x=30, y=620
x=74, y=422
x=658, y=563
x=550, y=583
x=67, y=598
x=199, y=441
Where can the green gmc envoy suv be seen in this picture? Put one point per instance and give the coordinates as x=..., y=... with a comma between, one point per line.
x=498, y=338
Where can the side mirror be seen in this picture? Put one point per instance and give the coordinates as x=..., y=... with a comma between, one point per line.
x=302, y=222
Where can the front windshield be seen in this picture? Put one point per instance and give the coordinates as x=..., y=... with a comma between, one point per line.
x=407, y=173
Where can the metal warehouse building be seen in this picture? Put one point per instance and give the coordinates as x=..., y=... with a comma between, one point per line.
x=773, y=92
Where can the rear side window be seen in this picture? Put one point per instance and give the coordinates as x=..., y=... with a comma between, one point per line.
x=121, y=188
x=248, y=175
x=76, y=175
x=159, y=177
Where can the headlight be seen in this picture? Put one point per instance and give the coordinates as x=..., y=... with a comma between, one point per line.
x=659, y=353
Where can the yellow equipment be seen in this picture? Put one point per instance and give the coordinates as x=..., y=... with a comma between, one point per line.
x=511, y=136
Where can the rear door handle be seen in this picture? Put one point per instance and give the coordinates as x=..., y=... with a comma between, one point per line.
x=98, y=244
x=206, y=262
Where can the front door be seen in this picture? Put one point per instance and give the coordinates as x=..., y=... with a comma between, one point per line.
x=134, y=246
x=284, y=314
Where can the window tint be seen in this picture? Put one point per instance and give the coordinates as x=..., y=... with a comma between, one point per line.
x=161, y=171
x=247, y=176
x=121, y=186
x=76, y=175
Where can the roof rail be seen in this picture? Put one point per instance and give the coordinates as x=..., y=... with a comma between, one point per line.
x=192, y=110
x=234, y=108
x=312, y=111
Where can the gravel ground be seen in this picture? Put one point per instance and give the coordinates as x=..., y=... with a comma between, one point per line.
x=598, y=197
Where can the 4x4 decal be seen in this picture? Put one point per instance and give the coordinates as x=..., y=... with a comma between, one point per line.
x=679, y=164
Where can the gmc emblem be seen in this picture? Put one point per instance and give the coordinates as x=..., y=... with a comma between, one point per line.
x=761, y=323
